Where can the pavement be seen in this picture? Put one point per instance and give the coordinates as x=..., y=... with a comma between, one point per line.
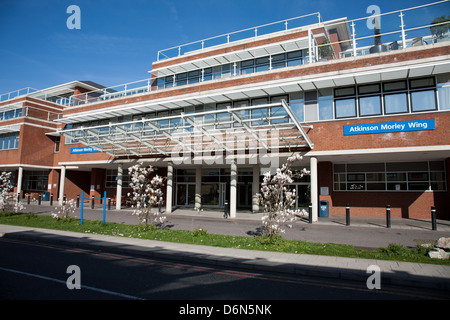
x=369, y=233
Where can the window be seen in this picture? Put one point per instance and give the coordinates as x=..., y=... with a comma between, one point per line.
x=369, y=106
x=311, y=112
x=111, y=178
x=262, y=64
x=247, y=66
x=345, y=108
x=423, y=100
x=325, y=104
x=279, y=61
x=9, y=141
x=444, y=96
x=395, y=103
x=260, y=113
x=394, y=176
x=35, y=180
x=297, y=105
x=294, y=58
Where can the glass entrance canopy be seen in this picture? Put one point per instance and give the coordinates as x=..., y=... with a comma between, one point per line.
x=258, y=128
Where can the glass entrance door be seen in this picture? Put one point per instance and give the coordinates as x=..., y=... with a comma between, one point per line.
x=185, y=194
x=244, y=195
x=303, y=195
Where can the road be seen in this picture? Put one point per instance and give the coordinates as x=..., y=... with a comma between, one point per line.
x=32, y=270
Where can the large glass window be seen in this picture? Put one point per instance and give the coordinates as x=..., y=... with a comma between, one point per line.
x=393, y=176
x=369, y=106
x=9, y=141
x=111, y=178
x=423, y=100
x=345, y=108
x=395, y=103
x=35, y=180
x=325, y=104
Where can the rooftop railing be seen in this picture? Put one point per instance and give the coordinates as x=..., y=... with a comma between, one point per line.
x=253, y=32
x=16, y=93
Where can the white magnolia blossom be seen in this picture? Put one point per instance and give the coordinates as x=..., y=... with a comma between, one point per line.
x=278, y=200
x=64, y=211
x=146, y=194
x=8, y=199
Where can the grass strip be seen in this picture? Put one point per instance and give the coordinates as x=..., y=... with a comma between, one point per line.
x=202, y=237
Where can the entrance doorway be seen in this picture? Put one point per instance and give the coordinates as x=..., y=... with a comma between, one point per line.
x=303, y=195
x=244, y=195
x=185, y=194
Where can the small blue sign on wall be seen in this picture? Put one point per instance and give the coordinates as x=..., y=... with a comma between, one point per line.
x=80, y=150
x=385, y=127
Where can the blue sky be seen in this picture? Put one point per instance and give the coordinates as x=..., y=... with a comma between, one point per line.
x=119, y=40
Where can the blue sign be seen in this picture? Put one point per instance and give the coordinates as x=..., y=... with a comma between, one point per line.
x=385, y=127
x=83, y=150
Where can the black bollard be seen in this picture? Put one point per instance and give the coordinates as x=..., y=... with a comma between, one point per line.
x=433, y=218
x=28, y=200
x=109, y=204
x=51, y=199
x=39, y=199
x=78, y=200
x=347, y=215
x=310, y=213
x=388, y=216
x=92, y=202
x=225, y=212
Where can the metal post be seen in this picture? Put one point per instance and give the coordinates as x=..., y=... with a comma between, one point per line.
x=104, y=207
x=28, y=200
x=51, y=199
x=433, y=218
x=109, y=203
x=353, y=39
x=92, y=202
x=388, y=216
x=78, y=200
x=39, y=199
x=347, y=214
x=310, y=213
x=403, y=30
x=81, y=211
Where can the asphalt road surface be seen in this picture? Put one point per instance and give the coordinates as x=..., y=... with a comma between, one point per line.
x=32, y=270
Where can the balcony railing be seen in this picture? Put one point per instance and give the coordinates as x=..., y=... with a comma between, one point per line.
x=16, y=93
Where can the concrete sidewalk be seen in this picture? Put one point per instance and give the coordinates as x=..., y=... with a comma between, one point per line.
x=396, y=273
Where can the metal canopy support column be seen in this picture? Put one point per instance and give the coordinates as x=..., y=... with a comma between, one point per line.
x=255, y=189
x=314, y=188
x=19, y=182
x=198, y=187
x=233, y=189
x=119, y=187
x=169, y=187
x=62, y=179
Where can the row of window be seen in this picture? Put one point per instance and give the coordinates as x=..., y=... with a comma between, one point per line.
x=231, y=69
x=10, y=114
x=397, y=176
x=9, y=141
x=373, y=99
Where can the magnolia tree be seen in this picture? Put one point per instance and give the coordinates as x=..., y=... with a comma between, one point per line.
x=146, y=194
x=278, y=200
x=65, y=210
x=8, y=200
